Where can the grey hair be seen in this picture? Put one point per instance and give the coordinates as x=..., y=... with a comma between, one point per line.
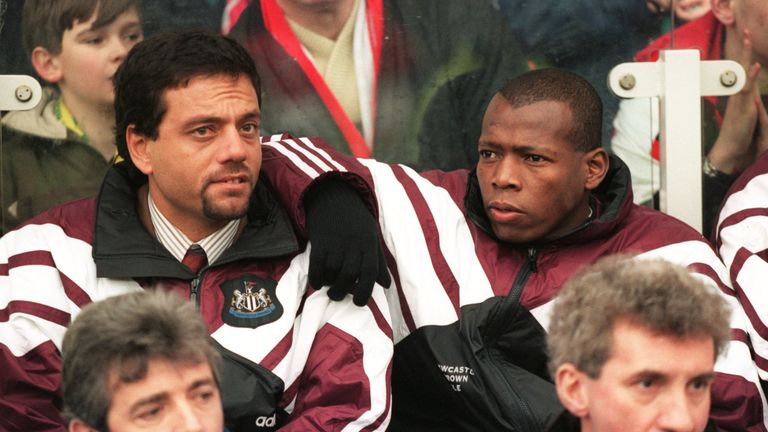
x=117, y=338
x=663, y=297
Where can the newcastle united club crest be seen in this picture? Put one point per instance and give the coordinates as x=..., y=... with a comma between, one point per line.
x=250, y=301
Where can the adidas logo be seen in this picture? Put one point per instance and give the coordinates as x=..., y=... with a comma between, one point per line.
x=266, y=421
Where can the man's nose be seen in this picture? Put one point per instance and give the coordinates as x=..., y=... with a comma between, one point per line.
x=188, y=418
x=507, y=174
x=233, y=147
x=678, y=414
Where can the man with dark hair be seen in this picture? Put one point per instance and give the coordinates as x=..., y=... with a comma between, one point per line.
x=137, y=360
x=549, y=85
x=478, y=255
x=185, y=212
x=646, y=361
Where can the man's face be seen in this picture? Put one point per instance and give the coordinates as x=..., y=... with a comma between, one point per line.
x=171, y=397
x=531, y=178
x=651, y=382
x=205, y=162
x=89, y=58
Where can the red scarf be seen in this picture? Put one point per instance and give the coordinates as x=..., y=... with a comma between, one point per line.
x=276, y=24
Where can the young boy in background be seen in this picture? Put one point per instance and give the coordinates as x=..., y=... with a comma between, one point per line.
x=60, y=150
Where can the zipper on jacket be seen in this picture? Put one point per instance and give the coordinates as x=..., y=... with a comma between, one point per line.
x=529, y=266
x=524, y=408
x=527, y=417
x=194, y=287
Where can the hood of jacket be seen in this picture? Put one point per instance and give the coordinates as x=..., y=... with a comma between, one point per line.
x=40, y=121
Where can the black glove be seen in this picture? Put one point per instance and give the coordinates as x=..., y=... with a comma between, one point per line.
x=346, y=252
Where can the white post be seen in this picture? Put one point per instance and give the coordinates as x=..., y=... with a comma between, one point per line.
x=679, y=80
x=19, y=92
x=680, y=144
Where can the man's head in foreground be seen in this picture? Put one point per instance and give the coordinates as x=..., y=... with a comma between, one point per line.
x=540, y=155
x=140, y=361
x=633, y=345
x=187, y=117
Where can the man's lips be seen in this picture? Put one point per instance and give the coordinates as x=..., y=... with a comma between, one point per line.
x=503, y=212
x=232, y=179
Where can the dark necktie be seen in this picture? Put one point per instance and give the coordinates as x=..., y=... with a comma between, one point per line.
x=195, y=258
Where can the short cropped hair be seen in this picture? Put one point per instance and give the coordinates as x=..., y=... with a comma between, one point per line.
x=169, y=61
x=118, y=337
x=557, y=85
x=660, y=296
x=44, y=22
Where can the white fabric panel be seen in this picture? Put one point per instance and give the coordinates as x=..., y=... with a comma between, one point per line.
x=23, y=332
x=66, y=251
x=403, y=236
x=753, y=195
x=456, y=242
x=308, y=170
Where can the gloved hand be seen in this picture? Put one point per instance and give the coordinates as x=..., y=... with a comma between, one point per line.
x=346, y=252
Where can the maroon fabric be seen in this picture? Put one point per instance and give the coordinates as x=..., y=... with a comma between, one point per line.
x=341, y=379
x=195, y=258
x=32, y=390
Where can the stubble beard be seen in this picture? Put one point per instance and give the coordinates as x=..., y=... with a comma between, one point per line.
x=213, y=210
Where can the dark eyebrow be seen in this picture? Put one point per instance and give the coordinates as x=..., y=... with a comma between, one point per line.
x=203, y=119
x=149, y=400
x=202, y=382
x=648, y=374
x=252, y=115
x=519, y=149
x=161, y=397
x=709, y=376
x=526, y=149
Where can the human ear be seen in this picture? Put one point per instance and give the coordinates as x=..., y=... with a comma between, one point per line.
x=46, y=65
x=723, y=11
x=78, y=426
x=571, y=389
x=139, y=149
x=597, y=167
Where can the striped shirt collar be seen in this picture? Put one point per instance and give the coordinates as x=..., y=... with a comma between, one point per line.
x=177, y=243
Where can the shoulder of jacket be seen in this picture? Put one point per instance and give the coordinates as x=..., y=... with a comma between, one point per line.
x=40, y=121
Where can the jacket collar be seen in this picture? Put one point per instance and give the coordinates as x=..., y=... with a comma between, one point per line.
x=123, y=248
x=40, y=121
x=612, y=201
